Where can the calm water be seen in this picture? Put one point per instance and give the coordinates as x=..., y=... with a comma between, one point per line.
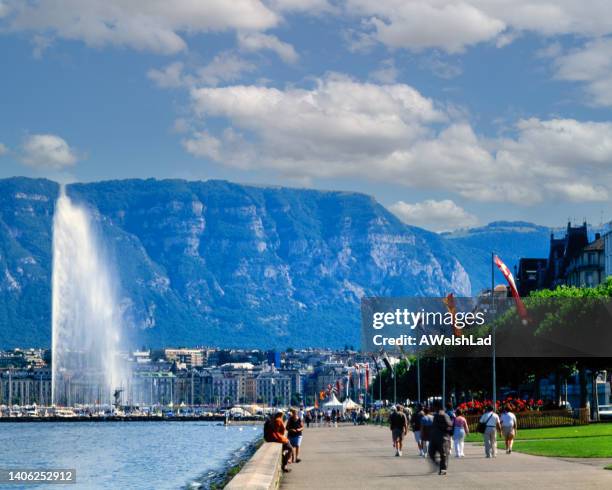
x=134, y=455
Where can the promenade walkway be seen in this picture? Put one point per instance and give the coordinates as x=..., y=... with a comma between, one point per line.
x=351, y=457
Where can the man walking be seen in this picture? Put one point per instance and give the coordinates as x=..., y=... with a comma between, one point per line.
x=398, y=423
x=415, y=422
x=491, y=427
x=439, y=437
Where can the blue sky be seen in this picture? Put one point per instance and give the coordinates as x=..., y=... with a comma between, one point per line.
x=450, y=113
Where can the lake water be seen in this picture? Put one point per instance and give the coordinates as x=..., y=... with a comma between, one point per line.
x=134, y=455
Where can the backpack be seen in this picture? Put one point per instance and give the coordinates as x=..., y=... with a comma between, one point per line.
x=482, y=426
x=268, y=430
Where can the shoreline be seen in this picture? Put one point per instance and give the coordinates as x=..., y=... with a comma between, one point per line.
x=216, y=480
x=42, y=420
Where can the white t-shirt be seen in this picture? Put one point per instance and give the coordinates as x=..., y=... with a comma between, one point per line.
x=490, y=418
x=508, y=419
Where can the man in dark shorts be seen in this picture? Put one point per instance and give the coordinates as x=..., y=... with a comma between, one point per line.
x=398, y=423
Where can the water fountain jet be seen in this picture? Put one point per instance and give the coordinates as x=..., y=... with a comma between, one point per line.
x=86, y=318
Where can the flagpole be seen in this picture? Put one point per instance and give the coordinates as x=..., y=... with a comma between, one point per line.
x=494, y=367
x=419, y=376
x=444, y=380
x=394, y=386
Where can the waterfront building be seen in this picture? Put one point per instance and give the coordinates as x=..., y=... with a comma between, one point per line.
x=25, y=386
x=274, y=388
x=189, y=357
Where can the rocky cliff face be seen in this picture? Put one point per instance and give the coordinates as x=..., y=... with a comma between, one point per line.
x=223, y=264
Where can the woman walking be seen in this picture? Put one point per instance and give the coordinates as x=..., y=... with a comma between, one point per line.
x=460, y=430
x=509, y=427
x=295, y=428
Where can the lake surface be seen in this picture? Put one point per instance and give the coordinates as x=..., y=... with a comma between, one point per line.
x=134, y=455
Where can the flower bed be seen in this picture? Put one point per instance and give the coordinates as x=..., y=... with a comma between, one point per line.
x=535, y=419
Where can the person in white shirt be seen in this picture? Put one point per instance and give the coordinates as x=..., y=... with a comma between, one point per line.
x=509, y=427
x=492, y=426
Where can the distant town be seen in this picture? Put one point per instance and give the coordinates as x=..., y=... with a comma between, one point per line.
x=201, y=376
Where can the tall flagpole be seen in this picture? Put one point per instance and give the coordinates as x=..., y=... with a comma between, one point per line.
x=394, y=386
x=493, y=330
x=444, y=380
x=419, y=376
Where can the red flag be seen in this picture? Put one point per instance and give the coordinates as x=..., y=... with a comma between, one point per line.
x=367, y=376
x=520, y=307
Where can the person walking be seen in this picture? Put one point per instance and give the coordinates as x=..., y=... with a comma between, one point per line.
x=415, y=423
x=509, y=427
x=460, y=430
x=295, y=429
x=308, y=418
x=491, y=427
x=426, y=422
x=439, y=437
x=398, y=423
x=451, y=413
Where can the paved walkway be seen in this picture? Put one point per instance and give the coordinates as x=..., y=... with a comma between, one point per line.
x=351, y=457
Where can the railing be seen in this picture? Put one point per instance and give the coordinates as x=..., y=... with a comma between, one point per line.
x=535, y=419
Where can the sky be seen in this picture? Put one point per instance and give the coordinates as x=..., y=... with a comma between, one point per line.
x=451, y=113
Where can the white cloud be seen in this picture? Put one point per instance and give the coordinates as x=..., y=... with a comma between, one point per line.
x=391, y=133
x=258, y=41
x=306, y=6
x=433, y=215
x=202, y=144
x=147, y=25
x=410, y=25
x=591, y=64
x=47, y=150
x=171, y=76
x=3, y=149
x=386, y=72
x=460, y=24
x=225, y=67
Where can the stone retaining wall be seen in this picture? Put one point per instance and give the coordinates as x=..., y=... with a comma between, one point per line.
x=262, y=471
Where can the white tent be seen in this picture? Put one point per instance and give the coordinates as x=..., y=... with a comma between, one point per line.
x=333, y=403
x=349, y=404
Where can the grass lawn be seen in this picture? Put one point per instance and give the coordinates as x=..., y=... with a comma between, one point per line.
x=585, y=441
x=586, y=447
x=609, y=467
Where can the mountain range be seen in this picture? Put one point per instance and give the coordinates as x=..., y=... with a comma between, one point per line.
x=218, y=263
